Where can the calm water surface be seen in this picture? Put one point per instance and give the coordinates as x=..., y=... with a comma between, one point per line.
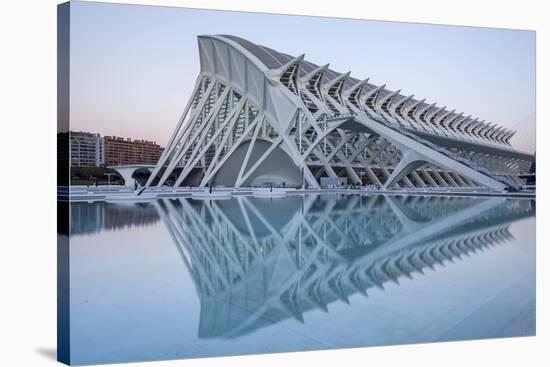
x=182, y=278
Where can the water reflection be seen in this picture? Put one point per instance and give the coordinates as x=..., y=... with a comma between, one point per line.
x=255, y=262
x=91, y=218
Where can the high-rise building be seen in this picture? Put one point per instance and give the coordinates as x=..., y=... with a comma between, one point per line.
x=86, y=149
x=119, y=151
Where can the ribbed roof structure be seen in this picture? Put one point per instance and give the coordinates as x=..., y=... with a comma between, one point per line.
x=259, y=116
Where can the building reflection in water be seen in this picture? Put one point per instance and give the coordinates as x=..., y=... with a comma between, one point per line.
x=90, y=218
x=257, y=261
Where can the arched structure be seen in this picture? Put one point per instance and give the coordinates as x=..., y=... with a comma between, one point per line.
x=128, y=172
x=253, y=101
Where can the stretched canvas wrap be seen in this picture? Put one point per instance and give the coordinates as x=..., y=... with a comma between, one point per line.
x=238, y=183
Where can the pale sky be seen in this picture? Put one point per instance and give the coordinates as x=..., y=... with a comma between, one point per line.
x=133, y=67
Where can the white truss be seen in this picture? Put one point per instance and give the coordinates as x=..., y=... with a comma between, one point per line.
x=253, y=108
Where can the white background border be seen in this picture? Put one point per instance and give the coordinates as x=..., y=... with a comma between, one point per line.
x=28, y=181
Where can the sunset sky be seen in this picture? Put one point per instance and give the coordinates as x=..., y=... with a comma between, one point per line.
x=133, y=67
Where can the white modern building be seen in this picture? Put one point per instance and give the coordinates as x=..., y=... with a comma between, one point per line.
x=87, y=149
x=258, y=117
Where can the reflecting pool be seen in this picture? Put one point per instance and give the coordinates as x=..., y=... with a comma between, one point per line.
x=182, y=278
